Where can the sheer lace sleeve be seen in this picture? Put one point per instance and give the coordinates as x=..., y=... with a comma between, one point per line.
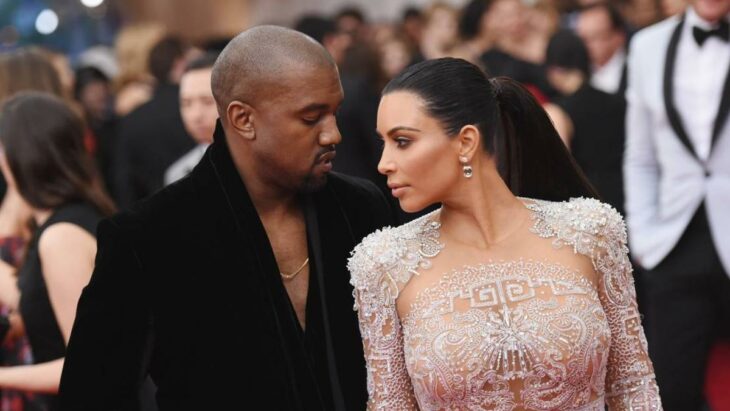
x=630, y=382
x=597, y=230
x=389, y=386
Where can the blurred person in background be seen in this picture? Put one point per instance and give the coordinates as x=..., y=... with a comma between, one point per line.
x=152, y=137
x=93, y=92
x=199, y=114
x=351, y=20
x=605, y=34
x=513, y=53
x=440, y=30
x=639, y=13
x=61, y=64
x=394, y=55
x=676, y=169
x=673, y=7
x=134, y=84
x=590, y=121
x=543, y=20
x=28, y=69
x=20, y=70
x=475, y=32
x=326, y=32
x=411, y=25
x=44, y=157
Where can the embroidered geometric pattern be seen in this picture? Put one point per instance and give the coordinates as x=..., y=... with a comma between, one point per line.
x=505, y=335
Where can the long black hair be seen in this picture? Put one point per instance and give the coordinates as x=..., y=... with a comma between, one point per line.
x=530, y=156
x=43, y=141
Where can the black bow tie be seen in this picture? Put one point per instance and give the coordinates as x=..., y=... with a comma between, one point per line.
x=722, y=32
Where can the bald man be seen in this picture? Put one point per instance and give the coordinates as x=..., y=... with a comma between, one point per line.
x=229, y=287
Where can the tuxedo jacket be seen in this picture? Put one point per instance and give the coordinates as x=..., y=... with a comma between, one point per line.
x=665, y=181
x=186, y=289
x=149, y=140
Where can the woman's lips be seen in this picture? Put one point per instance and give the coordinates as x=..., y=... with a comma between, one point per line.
x=397, y=190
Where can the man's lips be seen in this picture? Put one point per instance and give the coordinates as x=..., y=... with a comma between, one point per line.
x=327, y=157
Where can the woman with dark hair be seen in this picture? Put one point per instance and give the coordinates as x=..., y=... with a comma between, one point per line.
x=44, y=155
x=20, y=70
x=515, y=294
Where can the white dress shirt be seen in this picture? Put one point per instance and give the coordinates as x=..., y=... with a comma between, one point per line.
x=185, y=164
x=699, y=77
x=608, y=77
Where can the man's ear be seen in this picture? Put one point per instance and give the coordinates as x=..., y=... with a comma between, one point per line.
x=468, y=140
x=241, y=118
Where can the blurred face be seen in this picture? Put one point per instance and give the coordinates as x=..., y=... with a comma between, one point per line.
x=197, y=106
x=95, y=98
x=442, y=27
x=711, y=10
x=412, y=28
x=419, y=159
x=602, y=41
x=395, y=57
x=349, y=24
x=509, y=18
x=296, y=130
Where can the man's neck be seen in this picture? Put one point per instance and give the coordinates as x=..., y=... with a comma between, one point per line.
x=695, y=19
x=270, y=201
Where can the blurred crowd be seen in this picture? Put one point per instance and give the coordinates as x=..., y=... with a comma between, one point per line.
x=146, y=114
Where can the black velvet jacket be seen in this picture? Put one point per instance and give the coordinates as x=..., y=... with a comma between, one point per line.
x=186, y=289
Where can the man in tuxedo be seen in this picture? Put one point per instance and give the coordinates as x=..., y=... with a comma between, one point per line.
x=677, y=168
x=230, y=287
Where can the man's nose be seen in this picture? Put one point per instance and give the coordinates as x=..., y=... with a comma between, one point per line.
x=330, y=133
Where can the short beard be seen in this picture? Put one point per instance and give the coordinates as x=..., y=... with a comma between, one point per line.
x=312, y=184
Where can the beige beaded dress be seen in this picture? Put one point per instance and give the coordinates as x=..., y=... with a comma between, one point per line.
x=531, y=333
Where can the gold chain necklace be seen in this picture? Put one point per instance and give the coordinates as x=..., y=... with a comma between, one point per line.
x=294, y=274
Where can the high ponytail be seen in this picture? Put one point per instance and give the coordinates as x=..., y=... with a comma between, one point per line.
x=530, y=156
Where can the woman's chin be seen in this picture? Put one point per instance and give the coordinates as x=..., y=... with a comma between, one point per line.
x=411, y=206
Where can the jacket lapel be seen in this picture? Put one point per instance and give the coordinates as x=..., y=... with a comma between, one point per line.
x=674, y=120
x=722, y=112
x=257, y=259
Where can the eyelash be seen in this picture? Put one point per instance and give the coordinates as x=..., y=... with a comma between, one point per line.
x=401, y=142
x=311, y=122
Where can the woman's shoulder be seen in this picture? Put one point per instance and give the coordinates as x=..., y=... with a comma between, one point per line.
x=393, y=254
x=586, y=224
x=80, y=214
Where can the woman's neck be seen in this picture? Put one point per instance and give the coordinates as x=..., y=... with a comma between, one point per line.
x=484, y=213
x=40, y=216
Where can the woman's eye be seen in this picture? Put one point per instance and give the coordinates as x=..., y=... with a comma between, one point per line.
x=401, y=142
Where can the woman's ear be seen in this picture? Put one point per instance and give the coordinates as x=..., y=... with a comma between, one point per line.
x=469, y=140
x=241, y=117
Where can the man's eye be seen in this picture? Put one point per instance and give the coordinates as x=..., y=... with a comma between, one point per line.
x=311, y=121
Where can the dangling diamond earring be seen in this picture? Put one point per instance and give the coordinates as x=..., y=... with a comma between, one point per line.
x=468, y=171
